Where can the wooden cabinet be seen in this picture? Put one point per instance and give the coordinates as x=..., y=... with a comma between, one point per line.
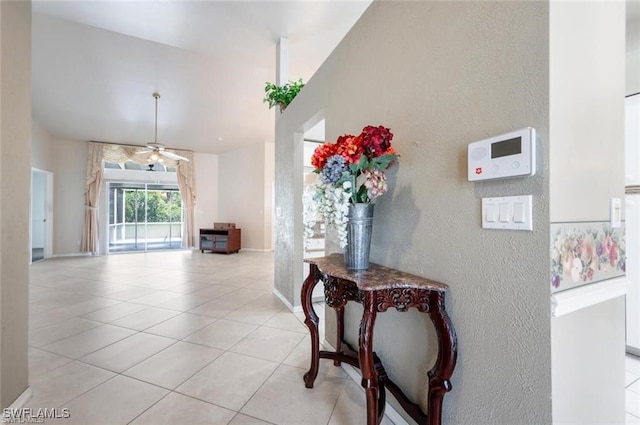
x=220, y=240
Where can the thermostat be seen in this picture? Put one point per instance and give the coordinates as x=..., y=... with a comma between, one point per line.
x=502, y=157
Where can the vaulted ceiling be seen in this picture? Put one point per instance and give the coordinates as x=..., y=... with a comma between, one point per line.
x=96, y=65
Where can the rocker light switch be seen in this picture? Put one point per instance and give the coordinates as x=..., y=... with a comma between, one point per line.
x=504, y=212
x=508, y=212
x=518, y=212
x=491, y=213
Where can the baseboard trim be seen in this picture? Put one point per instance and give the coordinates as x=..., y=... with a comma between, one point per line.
x=286, y=302
x=22, y=399
x=391, y=413
x=257, y=250
x=78, y=254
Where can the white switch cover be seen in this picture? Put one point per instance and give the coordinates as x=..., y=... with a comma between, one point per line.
x=514, y=212
x=615, y=213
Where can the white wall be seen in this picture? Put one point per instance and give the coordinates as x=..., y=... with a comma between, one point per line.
x=244, y=193
x=633, y=57
x=206, y=177
x=15, y=182
x=587, y=85
x=67, y=160
x=42, y=147
x=269, y=175
x=69, y=182
x=441, y=75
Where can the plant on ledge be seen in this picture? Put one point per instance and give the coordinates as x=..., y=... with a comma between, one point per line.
x=351, y=170
x=281, y=95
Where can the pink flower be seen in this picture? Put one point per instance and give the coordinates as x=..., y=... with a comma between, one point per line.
x=375, y=182
x=607, y=243
x=567, y=260
x=613, y=254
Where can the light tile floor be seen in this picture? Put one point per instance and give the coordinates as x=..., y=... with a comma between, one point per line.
x=177, y=338
x=632, y=392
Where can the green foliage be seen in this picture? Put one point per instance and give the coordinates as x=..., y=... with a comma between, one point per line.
x=281, y=95
x=162, y=206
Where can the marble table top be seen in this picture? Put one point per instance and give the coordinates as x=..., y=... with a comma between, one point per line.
x=376, y=277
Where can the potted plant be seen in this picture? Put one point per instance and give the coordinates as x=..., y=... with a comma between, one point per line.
x=351, y=175
x=281, y=95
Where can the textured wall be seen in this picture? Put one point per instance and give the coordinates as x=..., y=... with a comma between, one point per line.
x=15, y=180
x=441, y=75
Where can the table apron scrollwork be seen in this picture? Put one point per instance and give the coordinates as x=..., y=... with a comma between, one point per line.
x=338, y=292
x=402, y=299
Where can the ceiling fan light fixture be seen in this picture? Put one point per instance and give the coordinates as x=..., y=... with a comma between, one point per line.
x=157, y=152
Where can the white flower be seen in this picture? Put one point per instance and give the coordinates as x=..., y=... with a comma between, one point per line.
x=309, y=216
x=329, y=201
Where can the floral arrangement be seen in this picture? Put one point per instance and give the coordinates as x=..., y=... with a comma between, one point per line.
x=579, y=255
x=351, y=170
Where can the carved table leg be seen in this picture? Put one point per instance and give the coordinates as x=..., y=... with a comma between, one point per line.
x=311, y=320
x=442, y=370
x=367, y=366
x=340, y=332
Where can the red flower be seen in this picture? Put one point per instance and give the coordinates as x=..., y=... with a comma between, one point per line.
x=350, y=147
x=376, y=140
x=322, y=153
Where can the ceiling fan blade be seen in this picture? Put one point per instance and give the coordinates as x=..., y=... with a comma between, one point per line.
x=145, y=151
x=173, y=156
x=155, y=146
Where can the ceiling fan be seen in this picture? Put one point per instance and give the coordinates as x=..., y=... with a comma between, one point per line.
x=157, y=150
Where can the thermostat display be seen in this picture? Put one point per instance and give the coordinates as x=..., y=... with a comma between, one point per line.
x=502, y=157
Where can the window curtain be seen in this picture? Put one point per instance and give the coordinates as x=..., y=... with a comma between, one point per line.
x=187, y=186
x=91, y=196
x=100, y=152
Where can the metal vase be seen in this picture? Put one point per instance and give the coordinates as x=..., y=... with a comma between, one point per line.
x=359, y=228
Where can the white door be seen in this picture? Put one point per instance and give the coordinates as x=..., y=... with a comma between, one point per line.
x=40, y=215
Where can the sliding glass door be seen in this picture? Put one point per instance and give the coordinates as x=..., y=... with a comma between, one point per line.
x=144, y=217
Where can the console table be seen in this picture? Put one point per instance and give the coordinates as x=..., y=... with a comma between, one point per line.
x=379, y=288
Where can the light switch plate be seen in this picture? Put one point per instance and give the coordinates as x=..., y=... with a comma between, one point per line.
x=514, y=213
x=615, y=213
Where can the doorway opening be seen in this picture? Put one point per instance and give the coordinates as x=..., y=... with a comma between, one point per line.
x=315, y=245
x=144, y=217
x=41, y=214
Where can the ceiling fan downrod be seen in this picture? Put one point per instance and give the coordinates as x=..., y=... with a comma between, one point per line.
x=156, y=95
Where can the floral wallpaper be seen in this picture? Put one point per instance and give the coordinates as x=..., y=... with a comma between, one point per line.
x=583, y=253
